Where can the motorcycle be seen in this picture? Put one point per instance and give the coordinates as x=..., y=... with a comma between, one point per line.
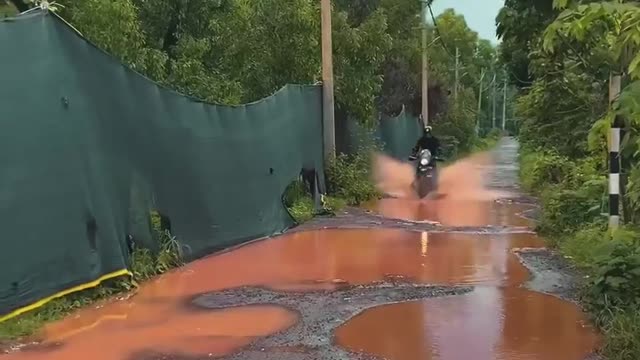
x=426, y=181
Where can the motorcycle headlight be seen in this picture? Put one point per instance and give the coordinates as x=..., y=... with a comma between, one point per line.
x=424, y=161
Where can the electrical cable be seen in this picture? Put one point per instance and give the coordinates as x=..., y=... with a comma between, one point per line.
x=435, y=24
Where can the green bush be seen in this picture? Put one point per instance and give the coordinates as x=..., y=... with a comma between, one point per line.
x=145, y=263
x=565, y=211
x=349, y=178
x=487, y=142
x=299, y=202
x=585, y=246
x=573, y=194
x=542, y=168
x=616, y=283
x=333, y=204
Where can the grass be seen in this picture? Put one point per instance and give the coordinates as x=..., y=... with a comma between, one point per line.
x=299, y=203
x=29, y=323
x=144, y=264
x=621, y=329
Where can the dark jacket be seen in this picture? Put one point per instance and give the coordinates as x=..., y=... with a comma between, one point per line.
x=428, y=141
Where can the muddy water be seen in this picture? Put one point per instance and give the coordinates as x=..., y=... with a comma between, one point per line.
x=499, y=320
x=452, y=212
x=124, y=329
x=159, y=317
x=489, y=324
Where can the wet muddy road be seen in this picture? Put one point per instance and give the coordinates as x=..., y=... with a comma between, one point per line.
x=394, y=281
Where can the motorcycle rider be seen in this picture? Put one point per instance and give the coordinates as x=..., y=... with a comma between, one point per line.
x=427, y=141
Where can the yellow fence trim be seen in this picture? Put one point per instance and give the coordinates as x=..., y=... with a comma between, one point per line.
x=92, y=284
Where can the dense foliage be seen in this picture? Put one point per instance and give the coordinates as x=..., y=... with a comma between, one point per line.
x=566, y=54
x=237, y=51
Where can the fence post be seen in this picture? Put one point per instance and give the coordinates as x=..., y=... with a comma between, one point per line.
x=614, y=156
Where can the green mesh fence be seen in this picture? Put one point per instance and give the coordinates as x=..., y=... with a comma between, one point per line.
x=396, y=135
x=88, y=147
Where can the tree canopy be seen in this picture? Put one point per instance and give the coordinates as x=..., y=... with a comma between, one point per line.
x=238, y=51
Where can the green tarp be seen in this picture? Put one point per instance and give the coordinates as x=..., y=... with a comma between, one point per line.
x=396, y=135
x=88, y=147
x=399, y=134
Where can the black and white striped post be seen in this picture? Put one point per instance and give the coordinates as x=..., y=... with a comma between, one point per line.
x=614, y=157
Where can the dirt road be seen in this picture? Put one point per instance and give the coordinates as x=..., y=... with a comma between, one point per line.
x=393, y=281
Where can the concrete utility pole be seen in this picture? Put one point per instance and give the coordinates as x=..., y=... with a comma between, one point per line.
x=455, y=88
x=480, y=102
x=493, y=96
x=504, y=103
x=425, y=65
x=615, y=81
x=328, y=114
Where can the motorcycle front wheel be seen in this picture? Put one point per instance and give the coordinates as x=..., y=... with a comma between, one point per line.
x=425, y=185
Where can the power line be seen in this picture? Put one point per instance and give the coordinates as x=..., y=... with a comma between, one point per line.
x=435, y=24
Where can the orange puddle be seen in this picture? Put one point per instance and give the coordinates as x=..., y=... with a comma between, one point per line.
x=496, y=321
x=453, y=212
x=489, y=324
x=124, y=328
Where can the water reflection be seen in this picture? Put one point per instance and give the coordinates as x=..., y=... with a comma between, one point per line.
x=100, y=335
x=490, y=323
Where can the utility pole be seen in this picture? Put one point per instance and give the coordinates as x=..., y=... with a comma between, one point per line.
x=504, y=103
x=493, y=96
x=455, y=88
x=328, y=114
x=480, y=102
x=425, y=65
x=615, y=85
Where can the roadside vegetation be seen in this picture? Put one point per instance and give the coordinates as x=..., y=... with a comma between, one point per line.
x=560, y=54
x=212, y=50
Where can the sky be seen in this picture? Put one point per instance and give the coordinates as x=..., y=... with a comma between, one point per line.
x=480, y=14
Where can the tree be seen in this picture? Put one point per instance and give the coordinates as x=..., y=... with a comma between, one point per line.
x=519, y=26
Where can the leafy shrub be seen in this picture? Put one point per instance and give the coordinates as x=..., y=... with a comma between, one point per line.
x=349, y=178
x=573, y=193
x=565, y=210
x=333, y=204
x=294, y=192
x=541, y=168
x=144, y=263
x=617, y=280
x=488, y=141
x=299, y=202
x=585, y=246
x=302, y=209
